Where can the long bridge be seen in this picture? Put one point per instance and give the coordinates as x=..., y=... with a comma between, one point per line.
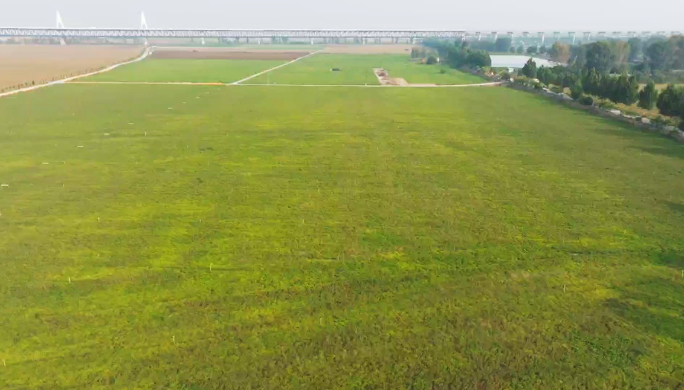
x=209, y=33
x=61, y=32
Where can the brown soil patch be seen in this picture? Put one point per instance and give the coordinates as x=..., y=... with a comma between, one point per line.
x=24, y=65
x=368, y=49
x=223, y=54
x=385, y=79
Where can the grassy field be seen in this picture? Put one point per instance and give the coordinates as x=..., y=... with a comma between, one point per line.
x=312, y=238
x=416, y=73
x=358, y=70
x=354, y=69
x=197, y=71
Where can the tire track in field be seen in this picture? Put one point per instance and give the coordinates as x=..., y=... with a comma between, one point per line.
x=277, y=67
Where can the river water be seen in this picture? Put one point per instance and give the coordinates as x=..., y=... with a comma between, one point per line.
x=517, y=61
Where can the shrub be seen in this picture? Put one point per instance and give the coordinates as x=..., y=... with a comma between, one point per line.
x=606, y=104
x=648, y=96
x=586, y=101
x=431, y=60
x=659, y=122
x=671, y=101
x=576, y=90
x=681, y=125
x=530, y=69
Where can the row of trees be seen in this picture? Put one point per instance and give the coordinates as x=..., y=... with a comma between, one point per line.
x=458, y=56
x=621, y=88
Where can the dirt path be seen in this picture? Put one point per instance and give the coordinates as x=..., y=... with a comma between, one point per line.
x=493, y=84
x=147, y=52
x=277, y=67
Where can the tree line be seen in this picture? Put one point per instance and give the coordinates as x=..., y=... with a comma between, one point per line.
x=594, y=79
x=459, y=55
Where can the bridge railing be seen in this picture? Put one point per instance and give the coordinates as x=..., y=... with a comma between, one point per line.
x=167, y=33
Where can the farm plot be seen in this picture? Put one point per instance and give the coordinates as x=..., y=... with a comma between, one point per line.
x=186, y=70
x=39, y=64
x=348, y=69
x=291, y=238
x=222, y=54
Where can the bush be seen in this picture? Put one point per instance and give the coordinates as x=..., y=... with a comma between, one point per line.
x=648, y=96
x=607, y=105
x=671, y=101
x=681, y=125
x=431, y=60
x=538, y=86
x=530, y=69
x=478, y=58
x=586, y=101
x=576, y=91
x=659, y=122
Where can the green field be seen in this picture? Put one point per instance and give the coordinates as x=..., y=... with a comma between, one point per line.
x=195, y=71
x=317, y=70
x=358, y=70
x=416, y=73
x=192, y=237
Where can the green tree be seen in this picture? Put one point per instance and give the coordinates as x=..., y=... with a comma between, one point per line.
x=530, y=69
x=511, y=49
x=671, y=101
x=636, y=49
x=598, y=56
x=619, y=52
x=648, y=96
x=478, y=58
x=569, y=79
x=431, y=60
x=576, y=90
x=532, y=50
x=503, y=44
x=520, y=50
x=591, y=82
x=543, y=50
x=560, y=52
x=544, y=75
x=658, y=55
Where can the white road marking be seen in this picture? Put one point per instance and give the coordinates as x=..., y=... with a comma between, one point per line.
x=277, y=67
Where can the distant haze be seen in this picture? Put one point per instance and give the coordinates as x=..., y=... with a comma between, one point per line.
x=495, y=15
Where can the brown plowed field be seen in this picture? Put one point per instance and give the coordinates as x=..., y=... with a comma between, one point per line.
x=22, y=65
x=208, y=54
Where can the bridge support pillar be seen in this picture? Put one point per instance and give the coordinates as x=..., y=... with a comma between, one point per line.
x=60, y=24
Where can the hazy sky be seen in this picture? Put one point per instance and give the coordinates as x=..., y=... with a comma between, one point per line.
x=608, y=15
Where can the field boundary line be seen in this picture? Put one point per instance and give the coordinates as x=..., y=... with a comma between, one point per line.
x=277, y=67
x=492, y=84
x=145, y=54
x=148, y=83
